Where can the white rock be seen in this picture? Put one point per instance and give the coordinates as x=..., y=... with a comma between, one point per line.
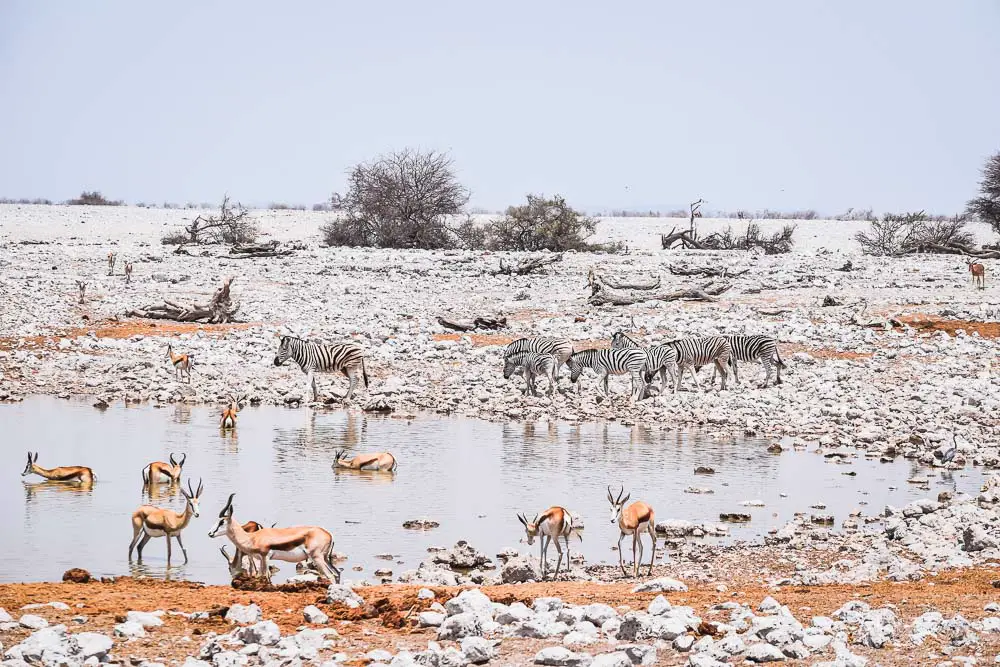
x=478, y=650
x=93, y=644
x=264, y=633
x=33, y=622
x=430, y=619
x=461, y=625
x=764, y=653
x=560, y=656
x=129, y=630
x=345, y=595
x=242, y=614
x=145, y=619
x=661, y=585
x=617, y=659
x=315, y=615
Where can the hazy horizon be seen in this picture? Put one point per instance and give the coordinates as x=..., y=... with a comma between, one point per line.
x=776, y=104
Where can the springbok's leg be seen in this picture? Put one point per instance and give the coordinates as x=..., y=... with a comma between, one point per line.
x=142, y=545
x=652, y=557
x=136, y=531
x=621, y=562
x=183, y=550
x=636, y=553
x=560, y=552
x=168, y=549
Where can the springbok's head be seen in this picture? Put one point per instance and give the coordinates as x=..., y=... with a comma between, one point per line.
x=178, y=465
x=339, y=455
x=284, y=351
x=224, y=516
x=31, y=464
x=617, y=503
x=170, y=349
x=235, y=562
x=530, y=527
x=192, y=496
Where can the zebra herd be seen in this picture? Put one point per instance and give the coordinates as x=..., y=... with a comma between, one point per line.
x=543, y=356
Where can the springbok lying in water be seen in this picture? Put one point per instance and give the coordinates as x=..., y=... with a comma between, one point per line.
x=380, y=461
x=159, y=472
x=78, y=474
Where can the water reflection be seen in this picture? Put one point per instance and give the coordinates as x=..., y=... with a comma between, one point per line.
x=470, y=476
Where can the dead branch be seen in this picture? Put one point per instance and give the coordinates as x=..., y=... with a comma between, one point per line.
x=773, y=311
x=491, y=323
x=529, y=265
x=220, y=310
x=606, y=296
x=705, y=271
x=233, y=224
x=687, y=238
x=257, y=250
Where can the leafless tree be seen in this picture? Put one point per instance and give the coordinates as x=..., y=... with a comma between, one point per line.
x=900, y=234
x=399, y=200
x=232, y=225
x=777, y=243
x=986, y=206
x=541, y=224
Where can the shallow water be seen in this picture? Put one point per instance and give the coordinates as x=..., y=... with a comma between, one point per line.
x=471, y=476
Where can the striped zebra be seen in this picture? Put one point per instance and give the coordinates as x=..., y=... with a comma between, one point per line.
x=616, y=361
x=560, y=348
x=348, y=358
x=754, y=348
x=532, y=365
x=692, y=353
x=662, y=358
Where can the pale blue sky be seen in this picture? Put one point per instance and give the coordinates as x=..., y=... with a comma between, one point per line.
x=780, y=104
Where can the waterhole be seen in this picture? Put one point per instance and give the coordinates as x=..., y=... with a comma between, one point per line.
x=470, y=476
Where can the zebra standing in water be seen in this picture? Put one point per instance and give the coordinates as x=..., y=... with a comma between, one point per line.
x=754, y=348
x=532, y=364
x=662, y=358
x=615, y=361
x=348, y=358
x=692, y=353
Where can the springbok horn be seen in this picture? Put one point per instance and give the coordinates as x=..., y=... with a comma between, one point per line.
x=201, y=487
x=611, y=498
x=191, y=493
x=620, y=493
x=171, y=459
x=229, y=503
x=184, y=457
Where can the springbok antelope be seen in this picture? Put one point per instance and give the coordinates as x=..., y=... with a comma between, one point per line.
x=978, y=272
x=315, y=541
x=128, y=272
x=78, y=474
x=228, y=420
x=160, y=472
x=633, y=520
x=376, y=461
x=149, y=522
x=82, y=286
x=181, y=362
x=240, y=563
x=111, y=262
x=555, y=522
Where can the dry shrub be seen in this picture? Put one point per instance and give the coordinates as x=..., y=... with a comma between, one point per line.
x=94, y=198
x=777, y=243
x=900, y=234
x=986, y=207
x=232, y=225
x=541, y=224
x=399, y=200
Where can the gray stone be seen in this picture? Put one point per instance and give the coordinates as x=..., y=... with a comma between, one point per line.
x=515, y=613
x=540, y=627
x=598, y=613
x=345, y=595
x=661, y=585
x=315, y=615
x=769, y=605
x=640, y=654
x=241, y=614
x=659, y=605
x=472, y=601
x=33, y=622
x=520, y=570
x=265, y=633
x=430, y=619
x=4, y=616
x=561, y=656
x=683, y=643
x=764, y=653
x=576, y=638
x=93, y=644
x=797, y=650
x=478, y=650
x=547, y=604
x=129, y=630
x=379, y=655
x=640, y=626
x=975, y=538
x=617, y=659
x=144, y=618
x=461, y=625
x=194, y=662
x=704, y=660
x=229, y=659
x=425, y=594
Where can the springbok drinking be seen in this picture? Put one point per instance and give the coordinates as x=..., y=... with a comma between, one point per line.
x=228, y=420
x=633, y=520
x=555, y=522
x=149, y=522
x=78, y=474
x=315, y=541
x=375, y=461
x=159, y=472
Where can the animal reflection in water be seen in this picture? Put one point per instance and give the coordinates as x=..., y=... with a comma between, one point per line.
x=32, y=489
x=74, y=474
x=373, y=462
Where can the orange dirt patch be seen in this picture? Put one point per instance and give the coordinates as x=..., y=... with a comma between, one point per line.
x=822, y=352
x=923, y=322
x=122, y=329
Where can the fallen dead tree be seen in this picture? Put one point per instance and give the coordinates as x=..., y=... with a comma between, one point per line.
x=258, y=250
x=220, y=310
x=491, y=323
x=606, y=296
x=705, y=271
x=529, y=265
x=686, y=239
x=593, y=277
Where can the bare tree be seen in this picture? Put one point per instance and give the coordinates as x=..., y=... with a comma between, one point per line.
x=901, y=234
x=232, y=225
x=541, y=224
x=400, y=200
x=986, y=206
x=777, y=243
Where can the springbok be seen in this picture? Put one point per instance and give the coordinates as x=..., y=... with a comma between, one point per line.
x=78, y=474
x=149, y=522
x=159, y=472
x=978, y=272
x=240, y=563
x=633, y=520
x=228, y=420
x=555, y=522
x=82, y=286
x=315, y=541
x=128, y=272
x=181, y=362
x=375, y=461
x=111, y=262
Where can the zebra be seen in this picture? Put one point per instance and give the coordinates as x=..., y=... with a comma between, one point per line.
x=311, y=357
x=661, y=358
x=754, y=348
x=560, y=348
x=532, y=364
x=694, y=352
x=615, y=361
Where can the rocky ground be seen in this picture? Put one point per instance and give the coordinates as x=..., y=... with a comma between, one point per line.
x=898, y=389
